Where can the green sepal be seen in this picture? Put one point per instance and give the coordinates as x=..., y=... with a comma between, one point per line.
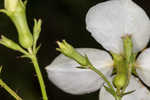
x=4, y=11
x=24, y=56
x=133, y=64
x=37, y=49
x=126, y=93
x=110, y=91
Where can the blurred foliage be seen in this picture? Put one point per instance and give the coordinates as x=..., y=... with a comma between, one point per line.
x=62, y=19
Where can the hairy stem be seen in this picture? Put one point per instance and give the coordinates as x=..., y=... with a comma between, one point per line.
x=40, y=78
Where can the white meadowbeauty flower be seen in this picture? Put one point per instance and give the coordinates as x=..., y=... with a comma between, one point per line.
x=66, y=75
x=109, y=21
x=63, y=72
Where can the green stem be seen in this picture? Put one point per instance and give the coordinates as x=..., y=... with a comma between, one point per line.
x=9, y=90
x=40, y=78
x=102, y=76
x=118, y=98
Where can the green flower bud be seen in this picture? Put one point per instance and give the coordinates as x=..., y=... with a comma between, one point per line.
x=10, y=44
x=16, y=10
x=18, y=17
x=11, y=5
x=119, y=80
x=69, y=51
x=36, y=29
x=24, y=34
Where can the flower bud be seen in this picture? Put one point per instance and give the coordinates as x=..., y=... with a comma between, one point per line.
x=36, y=29
x=119, y=80
x=11, y=5
x=69, y=51
x=10, y=44
x=15, y=9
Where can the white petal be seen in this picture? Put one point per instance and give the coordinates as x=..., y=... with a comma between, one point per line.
x=143, y=66
x=110, y=20
x=141, y=93
x=64, y=74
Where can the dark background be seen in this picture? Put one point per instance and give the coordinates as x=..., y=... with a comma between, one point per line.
x=62, y=19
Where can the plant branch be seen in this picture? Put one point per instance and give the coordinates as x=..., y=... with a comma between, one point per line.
x=9, y=90
x=39, y=75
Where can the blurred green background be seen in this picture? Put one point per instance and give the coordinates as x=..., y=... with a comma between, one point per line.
x=62, y=19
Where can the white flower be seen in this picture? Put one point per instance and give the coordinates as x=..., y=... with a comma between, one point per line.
x=63, y=72
x=109, y=21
